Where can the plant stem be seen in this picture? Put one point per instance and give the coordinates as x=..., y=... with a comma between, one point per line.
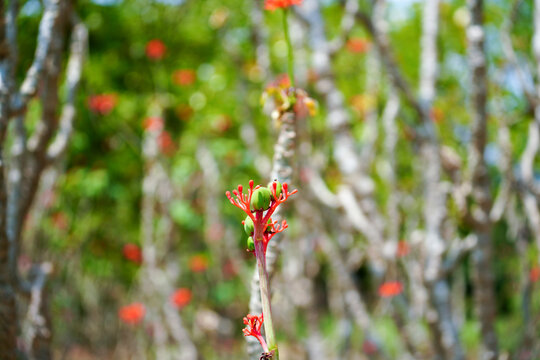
x=290, y=54
x=264, y=286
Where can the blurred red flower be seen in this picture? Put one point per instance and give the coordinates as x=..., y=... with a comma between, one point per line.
x=166, y=143
x=155, y=49
x=132, y=314
x=229, y=269
x=281, y=81
x=181, y=297
x=132, y=252
x=153, y=123
x=390, y=289
x=222, y=123
x=198, y=263
x=369, y=347
x=276, y=4
x=60, y=221
x=358, y=45
x=48, y=198
x=184, y=77
x=534, y=274
x=436, y=114
x=402, y=248
x=102, y=104
x=184, y=112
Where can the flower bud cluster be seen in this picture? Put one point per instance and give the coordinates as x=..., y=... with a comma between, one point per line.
x=259, y=204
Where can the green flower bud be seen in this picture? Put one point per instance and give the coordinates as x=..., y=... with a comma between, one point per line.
x=278, y=187
x=250, y=244
x=260, y=200
x=249, y=227
x=269, y=227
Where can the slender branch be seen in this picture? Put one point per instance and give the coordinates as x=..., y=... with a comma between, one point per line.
x=481, y=189
x=383, y=47
x=8, y=308
x=46, y=37
x=79, y=43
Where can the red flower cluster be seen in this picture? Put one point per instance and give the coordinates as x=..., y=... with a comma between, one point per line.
x=534, y=274
x=153, y=123
x=60, y=221
x=369, y=347
x=261, y=218
x=132, y=314
x=390, y=289
x=184, y=77
x=253, y=328
x=287, y=98
x=181, y=297
x=198, y=263
x=437, y=115
x=283, y=4
x=358, y=45
x=281, y=81
x=166, y=143
x=133, y=253
x=155, y=49
x=402, y=248
x=102, y=104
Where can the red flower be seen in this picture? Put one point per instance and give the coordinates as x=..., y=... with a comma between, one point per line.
x=198, y=263
x=390, y=289
x=402, y=248
x=153, y=123
x=102, y=104
x=166, y=143
x=155, y=49
x=181, y=297
x=534, y=274
x=184, y=112
x=60, y=221
x=223, y=123
x=229, y=269
x=281, y=81
x=132, y=252
x=369, y=347
x=132, y=314
x=358, y=45
x=184, y=77
x=48, y=198
x=276, y=4
x=437, y=115
x=253, y=328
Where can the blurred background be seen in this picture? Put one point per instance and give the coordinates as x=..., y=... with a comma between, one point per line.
x=415, y=230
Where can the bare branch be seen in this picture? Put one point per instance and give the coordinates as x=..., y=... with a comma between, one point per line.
x=47, y=34
x=79, y=40
x=481, y=190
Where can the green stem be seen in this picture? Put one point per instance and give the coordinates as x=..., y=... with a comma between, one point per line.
x=264, y=286
x=290, y=54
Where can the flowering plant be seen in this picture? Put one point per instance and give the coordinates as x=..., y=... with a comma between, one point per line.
x=259, y=204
